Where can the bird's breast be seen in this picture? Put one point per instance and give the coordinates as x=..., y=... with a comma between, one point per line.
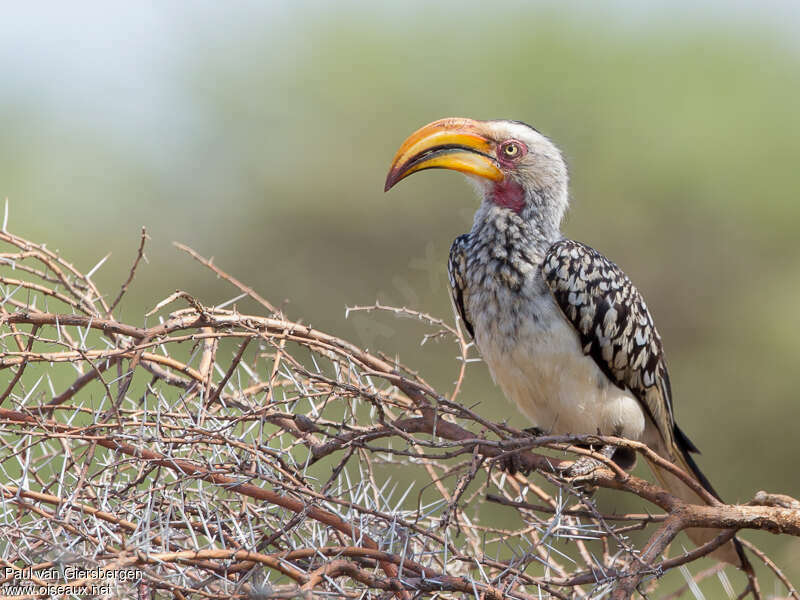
x=534, y=355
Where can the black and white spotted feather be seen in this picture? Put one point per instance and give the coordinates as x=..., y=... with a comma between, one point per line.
x=615, y=328
x=456, y=267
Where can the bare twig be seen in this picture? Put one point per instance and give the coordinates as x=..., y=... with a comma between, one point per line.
x=124, y=288
x=216, y=472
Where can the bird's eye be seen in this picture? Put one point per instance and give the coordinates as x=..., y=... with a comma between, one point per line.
x=511, y=150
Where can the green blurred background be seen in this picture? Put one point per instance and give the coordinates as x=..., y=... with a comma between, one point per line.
x=260, y=134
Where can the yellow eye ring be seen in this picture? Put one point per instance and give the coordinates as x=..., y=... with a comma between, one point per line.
x=511, y=150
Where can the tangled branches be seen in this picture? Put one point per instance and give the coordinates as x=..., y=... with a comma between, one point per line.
x=222, y=455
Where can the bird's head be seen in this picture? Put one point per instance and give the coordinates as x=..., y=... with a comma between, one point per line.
x=515, y=167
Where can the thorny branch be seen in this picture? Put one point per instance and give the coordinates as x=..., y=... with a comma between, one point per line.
x=226, y=455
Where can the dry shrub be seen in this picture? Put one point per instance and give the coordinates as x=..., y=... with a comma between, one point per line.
x=215, y=454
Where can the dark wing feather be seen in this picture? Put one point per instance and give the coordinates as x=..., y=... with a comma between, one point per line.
x=456, y=266
x=617, y=331
x=614, y=326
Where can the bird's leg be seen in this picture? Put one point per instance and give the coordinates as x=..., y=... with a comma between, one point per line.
x=586, y=464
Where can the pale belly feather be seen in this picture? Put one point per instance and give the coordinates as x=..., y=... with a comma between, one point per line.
x=536, y=358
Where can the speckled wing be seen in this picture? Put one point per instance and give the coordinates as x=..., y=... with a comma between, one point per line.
x=615, y=328
x=456, y=267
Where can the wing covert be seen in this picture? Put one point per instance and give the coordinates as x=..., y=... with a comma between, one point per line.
x=456, y=266
x=614, y=325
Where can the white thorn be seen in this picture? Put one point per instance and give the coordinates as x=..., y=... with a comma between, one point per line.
x=97, y=266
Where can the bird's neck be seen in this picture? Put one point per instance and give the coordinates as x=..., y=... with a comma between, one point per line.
x=531, y=228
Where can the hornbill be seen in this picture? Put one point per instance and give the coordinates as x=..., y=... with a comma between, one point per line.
x=564, y=332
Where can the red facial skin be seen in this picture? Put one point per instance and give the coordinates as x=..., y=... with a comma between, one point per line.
x=508, y=193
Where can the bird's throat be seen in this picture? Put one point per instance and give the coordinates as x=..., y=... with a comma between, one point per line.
x=509, y=194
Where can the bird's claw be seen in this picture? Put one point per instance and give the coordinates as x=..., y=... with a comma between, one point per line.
x=534, y=431
x=585, y=465
x=578, y=473
x=512, y=463
x=582, y=467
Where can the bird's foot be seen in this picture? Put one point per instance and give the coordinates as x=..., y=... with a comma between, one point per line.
x=585, y=465
x=582, y=467
x=534, y=431
x=512, y=462
x=578, y=473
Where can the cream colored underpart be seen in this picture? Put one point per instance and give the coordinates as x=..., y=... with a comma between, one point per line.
x=547, y=376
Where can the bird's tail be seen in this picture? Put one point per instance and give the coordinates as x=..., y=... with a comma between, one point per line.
x=730, y=552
